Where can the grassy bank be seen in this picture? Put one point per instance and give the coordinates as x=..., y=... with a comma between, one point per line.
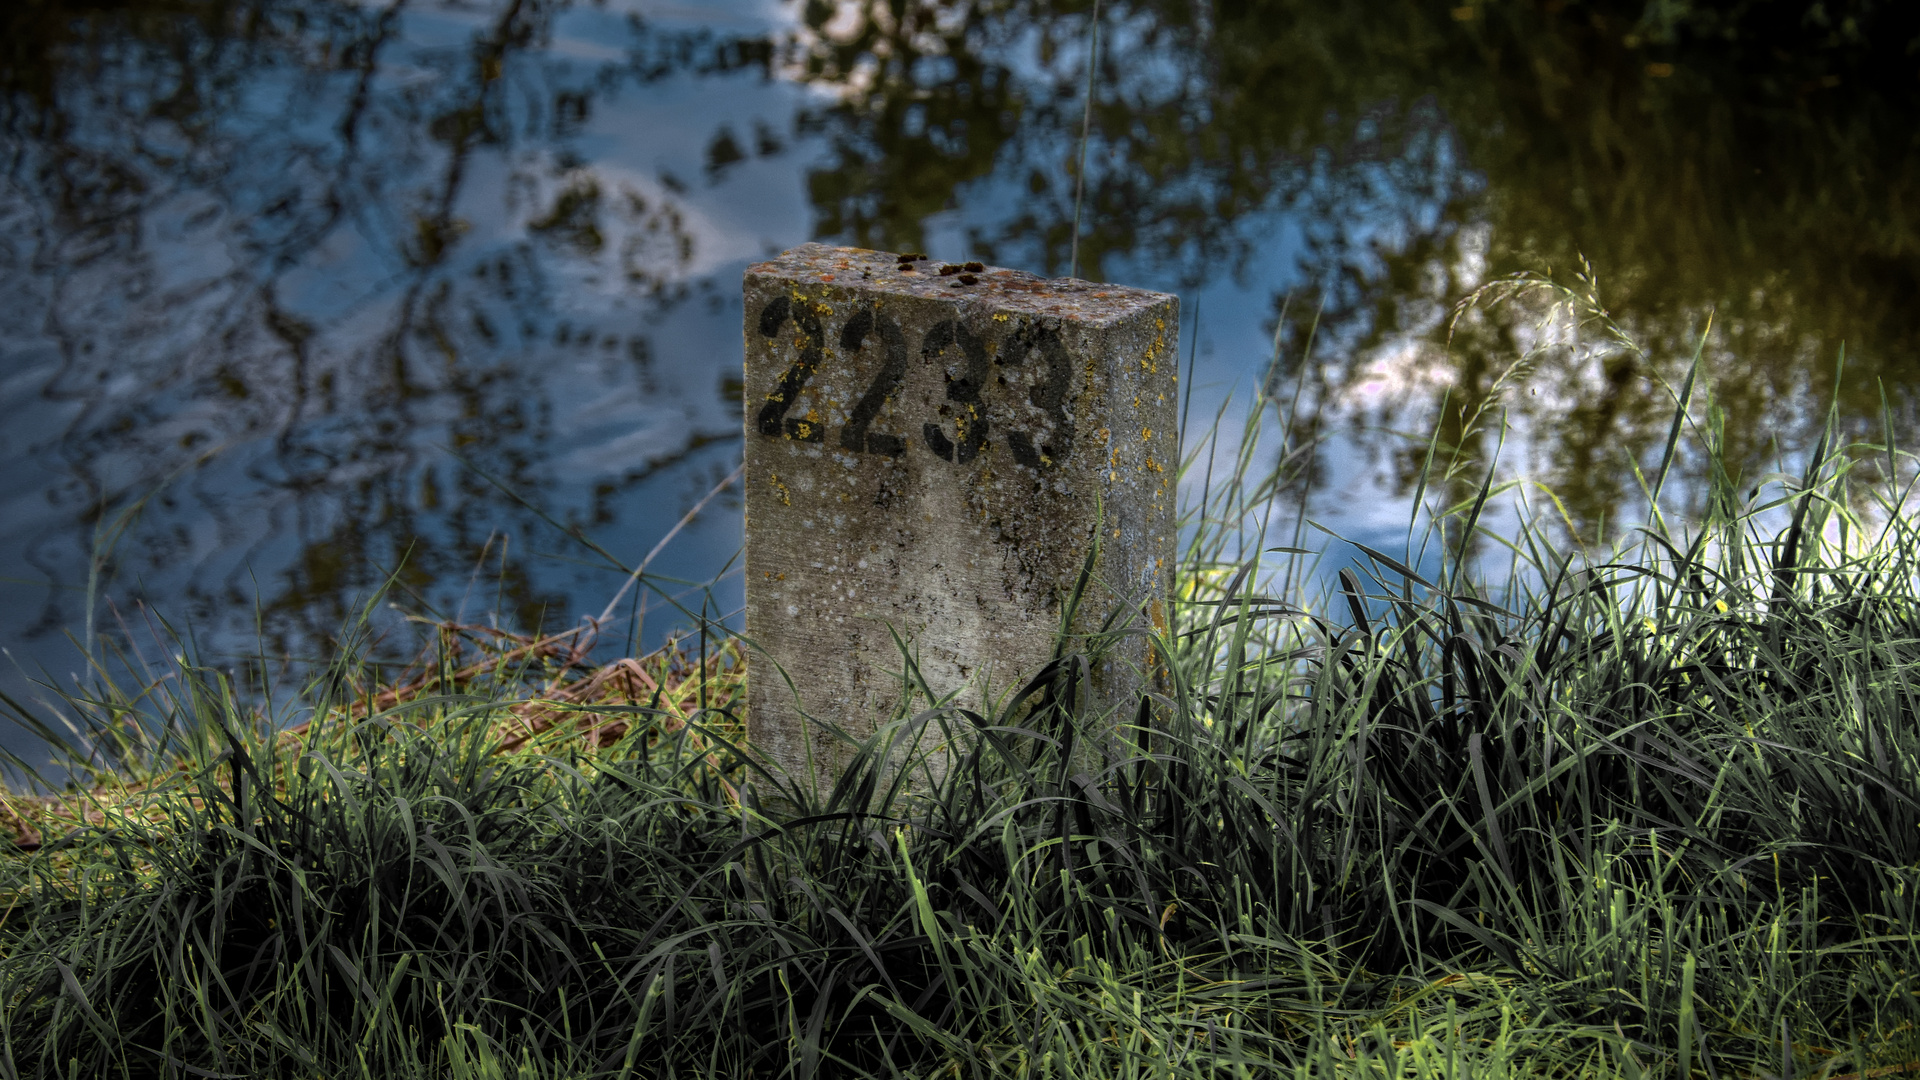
x=1650, y=814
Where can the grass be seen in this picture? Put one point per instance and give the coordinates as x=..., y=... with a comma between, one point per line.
x=1653, y=812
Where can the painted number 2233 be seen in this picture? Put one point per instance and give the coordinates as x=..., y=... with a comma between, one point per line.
x=969, y=436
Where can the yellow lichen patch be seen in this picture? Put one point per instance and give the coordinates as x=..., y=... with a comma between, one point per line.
x=1149, y=362
x=773, y=480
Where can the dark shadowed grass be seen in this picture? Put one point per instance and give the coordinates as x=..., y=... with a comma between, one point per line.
x=1652, y=813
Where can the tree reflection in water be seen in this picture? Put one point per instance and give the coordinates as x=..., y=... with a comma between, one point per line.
x=1760, y=167
x=274, y=260
x=270, y=263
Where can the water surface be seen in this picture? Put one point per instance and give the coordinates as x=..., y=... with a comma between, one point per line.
x=300, y=298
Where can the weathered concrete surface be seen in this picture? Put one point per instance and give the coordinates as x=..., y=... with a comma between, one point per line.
x=929, y=453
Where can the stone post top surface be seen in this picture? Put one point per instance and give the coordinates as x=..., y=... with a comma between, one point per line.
x=998, y=287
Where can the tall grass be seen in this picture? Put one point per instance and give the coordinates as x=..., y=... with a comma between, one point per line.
x=1649, y=813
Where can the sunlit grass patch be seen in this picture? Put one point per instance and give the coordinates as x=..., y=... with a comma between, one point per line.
x=595, y=707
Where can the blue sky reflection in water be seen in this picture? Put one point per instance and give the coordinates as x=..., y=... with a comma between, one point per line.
x=294, y=294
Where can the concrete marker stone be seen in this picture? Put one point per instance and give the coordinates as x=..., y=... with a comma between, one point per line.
x=929, y=450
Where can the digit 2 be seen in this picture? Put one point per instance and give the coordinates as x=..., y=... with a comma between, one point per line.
x=774, y=412
x=970, y=422
x=886, y=381
x=1050, y=394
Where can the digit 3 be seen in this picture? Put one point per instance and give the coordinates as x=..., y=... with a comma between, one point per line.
x=1048, y=395
x=970, y=420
